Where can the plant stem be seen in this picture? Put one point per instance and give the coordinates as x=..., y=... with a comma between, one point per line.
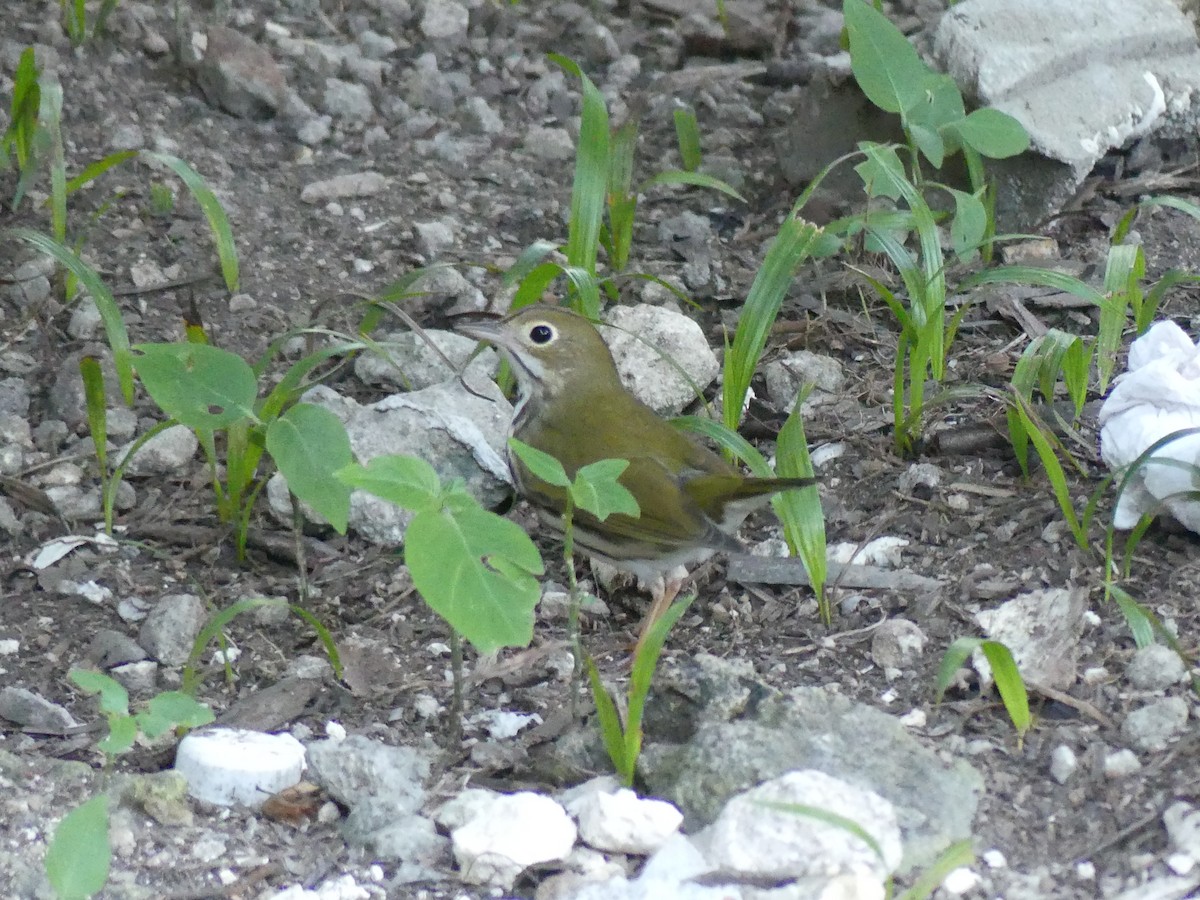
x=456, y=704
x=572, y=605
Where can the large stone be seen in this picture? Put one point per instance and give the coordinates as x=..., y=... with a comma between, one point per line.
x=732, y=732
x=460, y=432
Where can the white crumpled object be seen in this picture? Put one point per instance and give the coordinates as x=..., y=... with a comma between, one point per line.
x=1159, y=395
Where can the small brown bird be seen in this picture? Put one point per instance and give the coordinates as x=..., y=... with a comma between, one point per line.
x=572, y=405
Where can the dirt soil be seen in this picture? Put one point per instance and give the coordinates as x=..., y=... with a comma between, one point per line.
x=986, y=532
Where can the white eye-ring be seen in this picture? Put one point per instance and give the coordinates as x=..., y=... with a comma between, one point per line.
x=542, y=333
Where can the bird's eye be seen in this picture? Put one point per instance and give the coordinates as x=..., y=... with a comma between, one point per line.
x=541, y=334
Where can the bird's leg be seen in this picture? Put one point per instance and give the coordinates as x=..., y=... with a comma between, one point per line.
x=663, y=590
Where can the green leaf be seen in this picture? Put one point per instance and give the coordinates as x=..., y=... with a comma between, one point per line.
x=687, y=133
x=529, y=260
x=407, y=481
x=96, y=168
x=939, y=106
x=309, y=444
x=541, y=464
x=110, y=313
x=79, y=855
x=204, y=387
x=590, y=188
x=789, y=249
x=970, y=222
x=172, y=709
x=1004, y=672
x=114, y=699
x=610, y=725
x=122, y=732
x=993, y=133
x=476, y=570
x=885, y=64
x=218, y=223
x=699, y=179
x=930, y=143
x=597, y=490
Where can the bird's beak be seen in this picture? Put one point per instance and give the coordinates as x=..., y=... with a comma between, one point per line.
x=480, y=329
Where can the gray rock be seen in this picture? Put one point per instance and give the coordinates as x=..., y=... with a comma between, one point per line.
x=110, y=648
x=479, y=118
x=445, y=20
x=1116, y=70
x=787, y=374
x=127, y=137
x=409, y=839
x=139, y=678
x=1156, y=724
x=347, y=100
x=239, y=76
x=726, y=746
x=897, y=643
x=14, y=397
x=434, y=238
x=376, y=45
x=1063, y=763
x=413, y=365
x=507, y=834
x=167, y=453
x=660, y=354
x=426, y=87
x=462, y=435
x=33, y=711
x=1155, y=667
x=356, y=184
x=171, y=626
x=549, y=144
x=1041, y=629
x=752, y=839
x=9, y=523
x=1121, y=764
x=358, y=769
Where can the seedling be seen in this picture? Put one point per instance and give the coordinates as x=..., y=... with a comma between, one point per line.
x=596, y=490
x=79, y=854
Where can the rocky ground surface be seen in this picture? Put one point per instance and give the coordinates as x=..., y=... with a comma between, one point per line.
x=365, y=138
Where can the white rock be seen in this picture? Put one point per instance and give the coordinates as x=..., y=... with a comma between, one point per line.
x=882, y=551
x=786, y=375
x=1155, y=667
x=1158, y=395
x=167, y=453
x=623, y=822
x=651, y=345
x=1182, y=821
x=1041, y=629
x=510, y=833
x=751, y=838
x=230, y=765
x=960, y=881
x=1121, y=763
x=1063, y=763
x=444, y=19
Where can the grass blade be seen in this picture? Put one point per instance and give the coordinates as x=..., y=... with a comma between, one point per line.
x=218, y=222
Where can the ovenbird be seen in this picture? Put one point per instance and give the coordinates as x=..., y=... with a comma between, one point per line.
x=572, y=405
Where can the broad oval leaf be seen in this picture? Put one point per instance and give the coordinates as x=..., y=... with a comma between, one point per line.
x=598, y=491
x=993, y=133
x=79, y=855
x=476, y=570
x=309, y=444
x=407, y=481
x=540, y=463
x=203, y=387
x=885, y=64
